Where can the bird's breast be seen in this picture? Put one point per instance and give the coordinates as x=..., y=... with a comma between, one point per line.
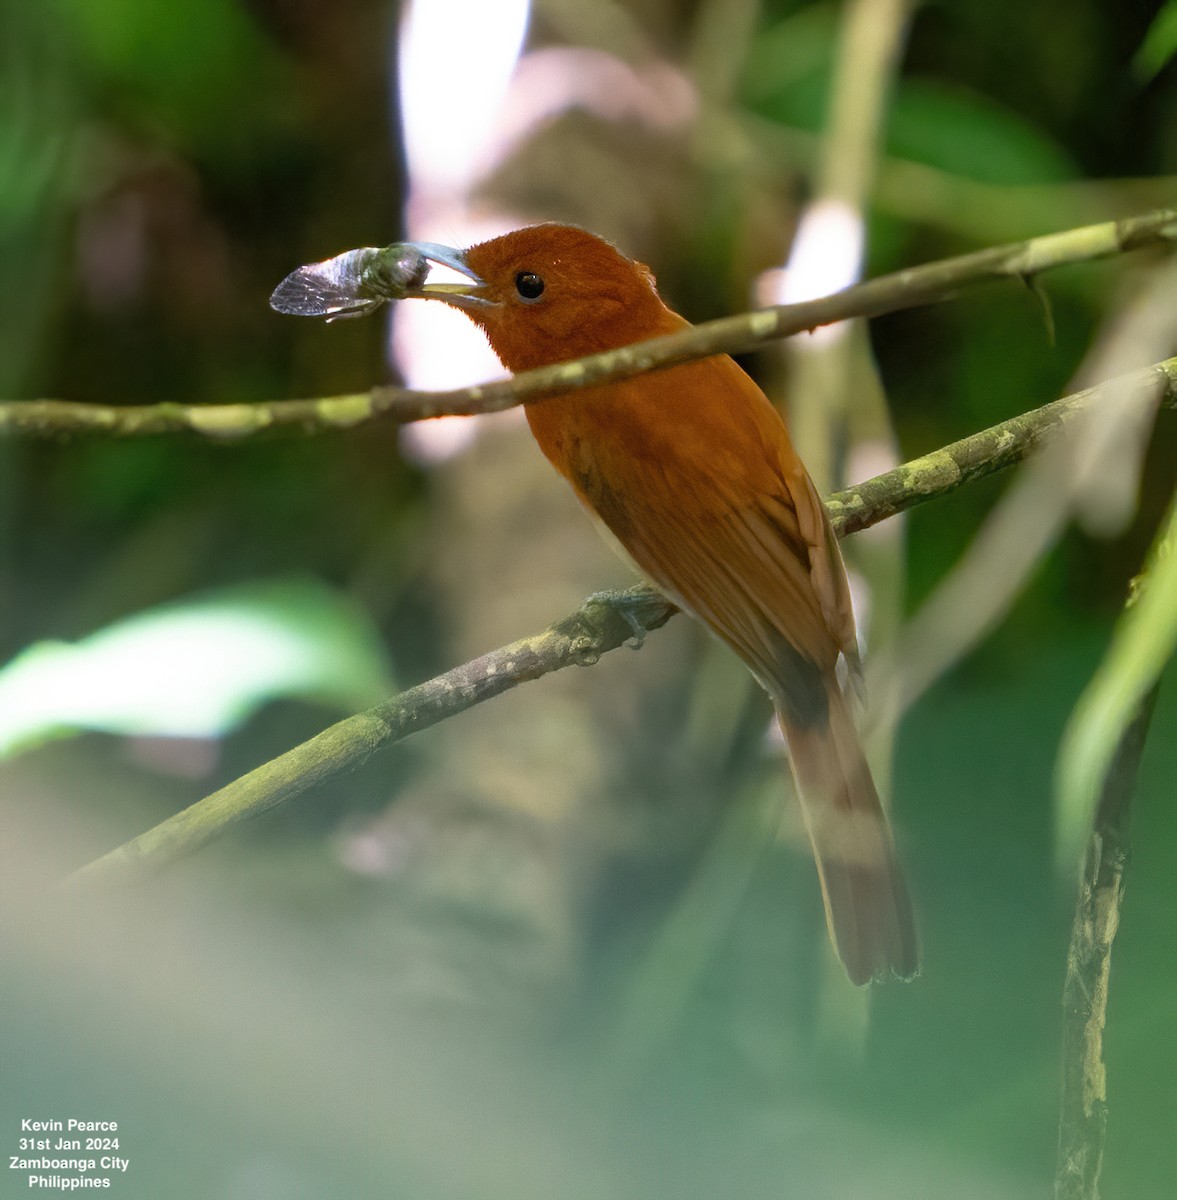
x=702, y=433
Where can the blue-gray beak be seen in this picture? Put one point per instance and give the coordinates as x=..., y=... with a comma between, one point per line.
x=462, y=295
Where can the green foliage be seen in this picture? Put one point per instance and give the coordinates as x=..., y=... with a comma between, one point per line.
x=568, y=958
x=187, y=63
x=1159, y=45
x=958, y=131
x=1142, y=644
x=936, y=122
x=786, y=74
x=195, y=668
x=39, y=104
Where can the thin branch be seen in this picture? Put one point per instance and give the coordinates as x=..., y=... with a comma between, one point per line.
x=581, y=639
x=1070, y=482
x=904, y=289
x=1096, y=775
x=1083, y=1114
x=988, y=451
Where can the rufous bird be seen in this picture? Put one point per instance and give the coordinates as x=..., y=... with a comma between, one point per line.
x=692, y=470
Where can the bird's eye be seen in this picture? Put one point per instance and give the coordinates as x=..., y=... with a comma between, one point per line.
x=529, y=285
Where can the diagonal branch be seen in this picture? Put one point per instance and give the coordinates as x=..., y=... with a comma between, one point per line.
x=581, y=639
x=904, y=289
x=990, y=450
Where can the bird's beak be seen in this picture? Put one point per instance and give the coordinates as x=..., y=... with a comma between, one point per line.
x=471, y=296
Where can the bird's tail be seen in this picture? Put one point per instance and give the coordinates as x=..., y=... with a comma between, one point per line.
x=868, y=909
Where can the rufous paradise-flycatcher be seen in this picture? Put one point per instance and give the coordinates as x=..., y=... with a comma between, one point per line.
x=692, y=470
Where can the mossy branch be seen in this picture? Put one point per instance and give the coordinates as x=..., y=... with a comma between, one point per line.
x=1083, y=1113
x=579, y=639
x=1098, y=765
x=888, y=293
x=991, y=449
x=595, y=629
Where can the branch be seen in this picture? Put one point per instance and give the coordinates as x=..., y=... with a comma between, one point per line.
x=992, y=449
x=1097, y=766
x=1083, y=1116
x=888, y=293
x=581, y=639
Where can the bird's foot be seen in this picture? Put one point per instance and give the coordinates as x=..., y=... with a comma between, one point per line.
x=640, y=608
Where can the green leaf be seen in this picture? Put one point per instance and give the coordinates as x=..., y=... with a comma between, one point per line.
x=1143, y=641
x=787, y=71
x=966, y=134
x=196, y=668
x=1159, y=45
x=942, y=125
x=185, y=65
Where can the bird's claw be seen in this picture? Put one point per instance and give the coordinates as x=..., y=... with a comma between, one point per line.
x=628, y=606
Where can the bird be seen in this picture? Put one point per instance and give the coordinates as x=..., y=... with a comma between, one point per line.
x=692, y=470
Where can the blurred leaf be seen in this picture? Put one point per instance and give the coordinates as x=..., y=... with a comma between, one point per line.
x=1143, y=641
x=968, y=134
x=196, y=668
x=187, y=64
x=931, y=122
x=788, y=59
x=1159, y=45
x=38, y=111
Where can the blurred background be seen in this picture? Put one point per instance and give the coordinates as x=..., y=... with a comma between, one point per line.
x=569, y=943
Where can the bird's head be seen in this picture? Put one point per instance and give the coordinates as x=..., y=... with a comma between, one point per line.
x=548, y=293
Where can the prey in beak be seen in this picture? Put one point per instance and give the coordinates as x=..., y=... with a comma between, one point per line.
x=358, y=282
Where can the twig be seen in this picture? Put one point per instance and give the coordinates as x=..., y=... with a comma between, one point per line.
x=580, y=639
x=1083, y=1115
x=904, y=289
x=988, y=451
x=1070, y=482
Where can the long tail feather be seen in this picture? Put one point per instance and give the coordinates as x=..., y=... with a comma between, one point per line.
x=868, y=909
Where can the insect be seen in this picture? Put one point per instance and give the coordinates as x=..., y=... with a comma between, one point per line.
x=357, y=282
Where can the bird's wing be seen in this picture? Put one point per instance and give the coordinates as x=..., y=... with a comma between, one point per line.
x=693, y=472
x=742, y=573
x=827, y=570
x=741, y=535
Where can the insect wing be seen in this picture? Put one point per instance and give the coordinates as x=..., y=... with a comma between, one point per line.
x=352, y=283
x=333, y=288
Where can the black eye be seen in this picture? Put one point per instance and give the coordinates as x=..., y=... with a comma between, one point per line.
x=529, y=285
